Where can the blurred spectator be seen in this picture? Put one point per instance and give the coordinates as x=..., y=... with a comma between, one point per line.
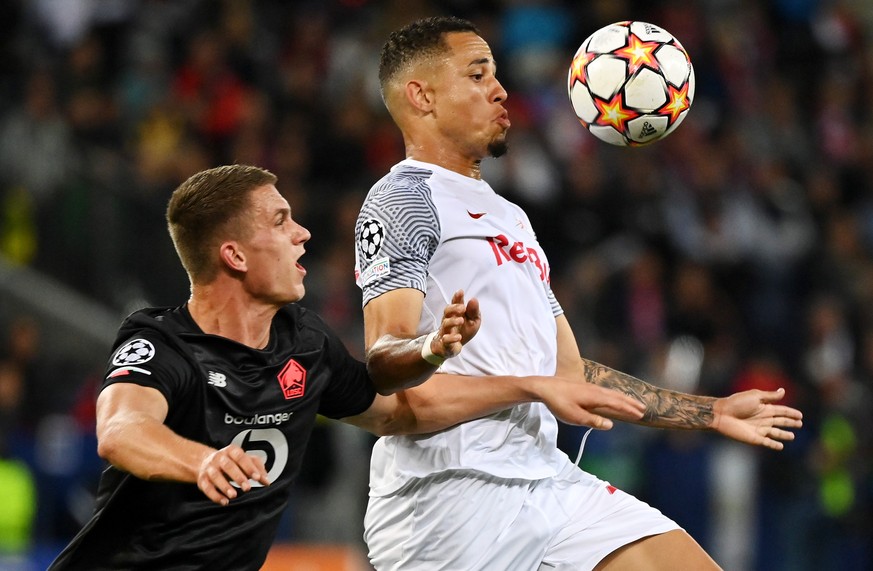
x=26, y=371
x=209, y=92
x=36, y=146
x=11, y=391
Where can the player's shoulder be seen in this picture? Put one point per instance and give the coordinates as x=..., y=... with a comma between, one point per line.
x=407, y=174
x=144, y=330
x=157, y=321
x=149, y=319
x=149, y=349
x=405, y=182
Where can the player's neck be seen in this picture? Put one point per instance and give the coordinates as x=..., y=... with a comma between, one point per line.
x=448, y=159
x=231, y=317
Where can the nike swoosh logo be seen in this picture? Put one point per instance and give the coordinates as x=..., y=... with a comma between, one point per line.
x=476, y=215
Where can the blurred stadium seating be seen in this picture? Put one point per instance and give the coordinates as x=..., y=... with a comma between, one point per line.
x=735, y=254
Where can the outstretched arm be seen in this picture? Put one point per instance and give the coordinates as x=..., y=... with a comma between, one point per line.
x=749, y=416
x=447, y=400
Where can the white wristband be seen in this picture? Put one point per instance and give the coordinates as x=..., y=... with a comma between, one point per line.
x=427, y=354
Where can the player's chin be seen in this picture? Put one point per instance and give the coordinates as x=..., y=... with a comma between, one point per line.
x=498, y=147
x=293, y=293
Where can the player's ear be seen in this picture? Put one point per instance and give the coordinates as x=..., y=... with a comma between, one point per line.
x=232, y=256
x=419, y=94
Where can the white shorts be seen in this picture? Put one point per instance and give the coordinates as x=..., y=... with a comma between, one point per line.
x=465, y=521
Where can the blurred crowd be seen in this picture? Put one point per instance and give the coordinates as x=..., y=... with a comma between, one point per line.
x=735, y=254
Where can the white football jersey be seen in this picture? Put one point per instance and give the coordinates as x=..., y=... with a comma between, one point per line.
x=429, y=228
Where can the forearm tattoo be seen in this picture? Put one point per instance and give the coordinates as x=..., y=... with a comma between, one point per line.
x=664, y=408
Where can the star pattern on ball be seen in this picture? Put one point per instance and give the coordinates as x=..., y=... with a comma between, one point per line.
x=613, y=113
x=677, y=102
x=628, y=89
x=577, y=67
x=639, y=54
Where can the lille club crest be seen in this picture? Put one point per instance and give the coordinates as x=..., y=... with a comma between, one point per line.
x=292, y=379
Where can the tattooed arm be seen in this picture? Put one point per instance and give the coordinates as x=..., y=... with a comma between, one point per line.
x=664, y=408
x=748, y=416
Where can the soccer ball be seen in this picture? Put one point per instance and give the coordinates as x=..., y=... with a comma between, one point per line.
x=631, y=83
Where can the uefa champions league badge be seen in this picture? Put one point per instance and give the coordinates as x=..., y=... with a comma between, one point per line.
x=370, y=238
x=134, y=352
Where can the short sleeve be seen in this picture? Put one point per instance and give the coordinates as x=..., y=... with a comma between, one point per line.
x=396, y=234
x=147, y=360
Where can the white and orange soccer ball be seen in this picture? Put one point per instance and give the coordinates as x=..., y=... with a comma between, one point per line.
x=631, y=83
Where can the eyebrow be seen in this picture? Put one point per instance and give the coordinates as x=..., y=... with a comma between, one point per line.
x=483, y=60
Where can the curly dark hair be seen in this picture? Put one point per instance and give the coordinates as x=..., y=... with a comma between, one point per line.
x=422, y=38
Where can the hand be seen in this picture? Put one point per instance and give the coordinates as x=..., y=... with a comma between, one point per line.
x=223, y=468
x=586, y=404
x=750, y=417
x=460, y=323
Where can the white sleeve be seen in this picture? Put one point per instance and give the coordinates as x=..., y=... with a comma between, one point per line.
x=396, y=234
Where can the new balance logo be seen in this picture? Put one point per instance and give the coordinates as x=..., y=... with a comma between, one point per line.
x=647, y=130
x=217, y=379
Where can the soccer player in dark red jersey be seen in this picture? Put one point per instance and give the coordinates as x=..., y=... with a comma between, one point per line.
x=206, y=408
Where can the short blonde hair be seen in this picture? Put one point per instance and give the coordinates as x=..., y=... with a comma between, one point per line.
x=208, y=208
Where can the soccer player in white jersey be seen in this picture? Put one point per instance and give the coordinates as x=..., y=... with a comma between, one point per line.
x=496, y=493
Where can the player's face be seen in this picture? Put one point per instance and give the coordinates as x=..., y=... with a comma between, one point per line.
x=273, y=249
x=469, y=99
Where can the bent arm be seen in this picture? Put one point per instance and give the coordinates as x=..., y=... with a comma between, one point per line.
x=132, y=436
x=396, y=354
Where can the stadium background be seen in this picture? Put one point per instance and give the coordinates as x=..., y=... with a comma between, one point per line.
x=734, y=254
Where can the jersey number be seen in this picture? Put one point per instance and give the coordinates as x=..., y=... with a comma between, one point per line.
x=268, y=444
